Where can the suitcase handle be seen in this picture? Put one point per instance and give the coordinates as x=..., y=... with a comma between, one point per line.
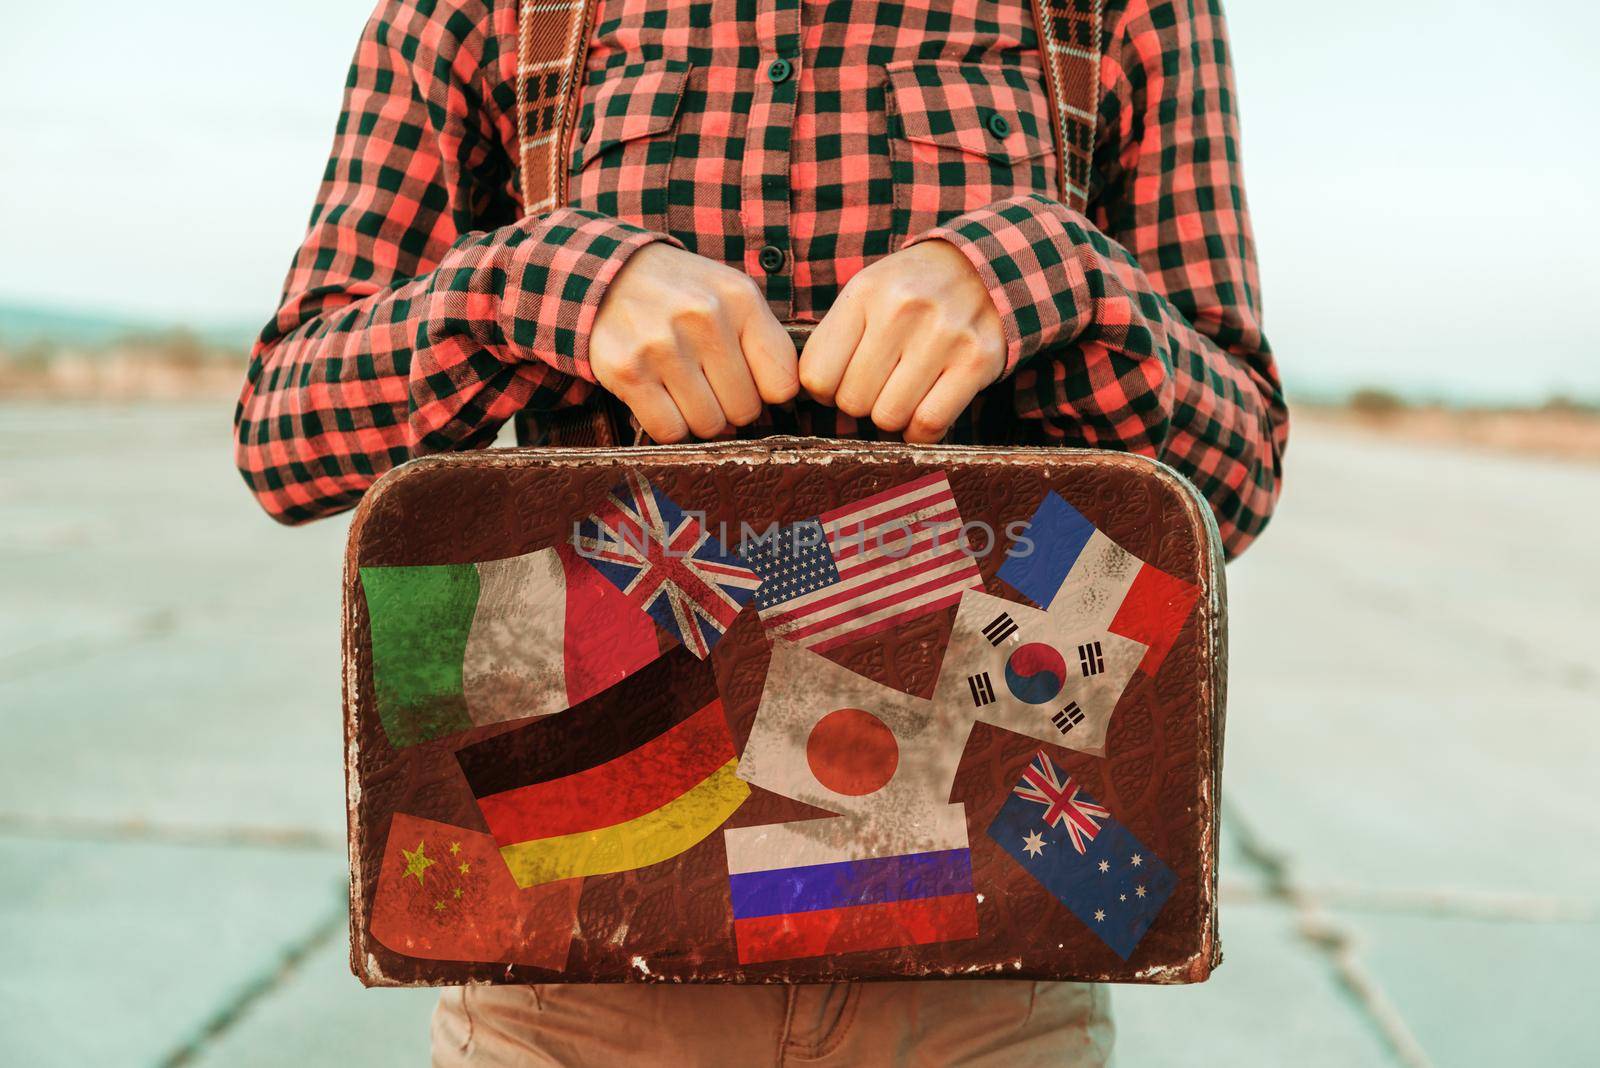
x=606, y=421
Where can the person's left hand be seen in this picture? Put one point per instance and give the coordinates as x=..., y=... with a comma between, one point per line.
x=910, y=341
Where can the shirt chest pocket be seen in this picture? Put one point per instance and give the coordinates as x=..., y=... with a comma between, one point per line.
x=962, y=136
x=624, y=142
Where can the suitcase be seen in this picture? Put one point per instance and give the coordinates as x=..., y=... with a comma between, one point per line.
x=787, y=710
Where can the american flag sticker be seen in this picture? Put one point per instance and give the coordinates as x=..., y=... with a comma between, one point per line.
x=863, y=567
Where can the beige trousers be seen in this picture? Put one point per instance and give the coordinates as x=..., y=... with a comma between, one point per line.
x=925, y=1024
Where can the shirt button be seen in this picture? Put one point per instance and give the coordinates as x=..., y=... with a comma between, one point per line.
x=998, y=125
x=779, y=70
x=771, y=259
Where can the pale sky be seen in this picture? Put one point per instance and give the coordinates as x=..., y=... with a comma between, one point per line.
x=1421, y=176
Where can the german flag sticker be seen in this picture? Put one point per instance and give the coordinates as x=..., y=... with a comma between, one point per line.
x=627, y=779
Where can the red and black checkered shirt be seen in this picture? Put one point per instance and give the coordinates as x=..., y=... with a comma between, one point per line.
x=424, y=309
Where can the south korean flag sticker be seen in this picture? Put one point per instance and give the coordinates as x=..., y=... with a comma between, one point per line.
x=1023, y=669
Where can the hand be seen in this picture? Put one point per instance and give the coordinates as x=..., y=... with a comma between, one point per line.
x=689, y=345
x=910, y=341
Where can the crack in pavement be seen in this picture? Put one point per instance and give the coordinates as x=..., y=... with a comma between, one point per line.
x=237, y=1006
x=1458, y=904
x=1335, y=941
x=22, y=825
x=1426, y=903
x=288, y=962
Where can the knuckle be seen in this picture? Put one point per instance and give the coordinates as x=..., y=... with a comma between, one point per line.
x=695, y=312
x=668, y=433
x=656, y=345
x=813, y=381
x=850, y=403
x=962, y=340
x=698, y=307
x=655, y=352
x=708, y=428
x=889, y=417
x=632, y=369
x=781, y=387
x=969, y=351
x=907, y=296
x=981, y=361
x=744, y=414
x=741, y=405
x=925, y=427
x=739, y=288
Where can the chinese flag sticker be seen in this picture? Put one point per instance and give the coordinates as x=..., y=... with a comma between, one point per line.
x=444, y=893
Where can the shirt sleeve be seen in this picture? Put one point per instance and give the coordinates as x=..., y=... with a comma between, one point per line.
x=1137, y=326
x=420, y=312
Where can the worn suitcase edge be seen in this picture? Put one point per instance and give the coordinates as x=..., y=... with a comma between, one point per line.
x=1208, y=955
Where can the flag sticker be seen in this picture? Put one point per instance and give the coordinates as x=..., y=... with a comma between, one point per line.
x=999, y=629
x=592, y=792
x=792, y=562
x=445, y=894
x=1065, y=804
x=665, y=561
x=1090, y=582
x=1046, y=677
x=820, y=887
x=456, y=646
x=828, y=737
x=1068, y=717
x=863, y=567
x=1078, y=852
x=893, y=868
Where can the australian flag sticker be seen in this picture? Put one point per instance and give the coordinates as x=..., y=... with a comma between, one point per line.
x=1088, y=861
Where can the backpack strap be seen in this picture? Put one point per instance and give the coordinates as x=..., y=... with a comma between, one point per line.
x=1069, y=38
x=552, y=44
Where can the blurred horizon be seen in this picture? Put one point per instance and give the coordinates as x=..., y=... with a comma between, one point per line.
x=1423, y=229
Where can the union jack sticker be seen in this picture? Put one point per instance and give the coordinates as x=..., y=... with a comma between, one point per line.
x=1065, y=803
x=665, y=561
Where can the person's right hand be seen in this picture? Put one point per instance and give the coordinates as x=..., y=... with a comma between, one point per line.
x=689, y=345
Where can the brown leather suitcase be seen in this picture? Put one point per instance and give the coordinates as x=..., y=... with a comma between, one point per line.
x=787, y=710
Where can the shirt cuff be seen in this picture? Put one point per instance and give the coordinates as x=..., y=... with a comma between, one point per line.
x=562, y=264
x=1022, y=248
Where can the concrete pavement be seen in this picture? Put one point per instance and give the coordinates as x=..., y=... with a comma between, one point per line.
x=1410, y=793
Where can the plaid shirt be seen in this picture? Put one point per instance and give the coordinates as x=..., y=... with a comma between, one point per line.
x=424, y=309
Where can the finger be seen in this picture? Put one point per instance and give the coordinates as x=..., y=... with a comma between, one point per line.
x=686, y=384
x=657, y=413
x=769, y=353
x=729, y=375
x=945, y=401
x=871, y=364
x=913, y=376
x=828, y=352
